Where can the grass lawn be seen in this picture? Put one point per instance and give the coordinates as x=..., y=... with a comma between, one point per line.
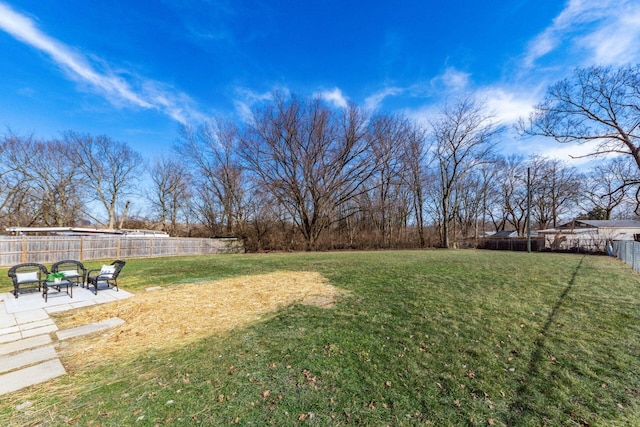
x=417, y=338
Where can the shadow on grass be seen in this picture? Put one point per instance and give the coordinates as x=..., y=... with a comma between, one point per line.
x=520, y=406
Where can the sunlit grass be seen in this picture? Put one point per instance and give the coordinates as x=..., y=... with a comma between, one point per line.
x=422, y=337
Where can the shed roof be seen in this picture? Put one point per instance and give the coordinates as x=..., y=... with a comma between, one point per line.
x=503, y=234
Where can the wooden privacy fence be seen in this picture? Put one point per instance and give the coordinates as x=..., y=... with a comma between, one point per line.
x=49, y=249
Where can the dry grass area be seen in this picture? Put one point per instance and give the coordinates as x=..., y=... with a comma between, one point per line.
x=174, y=316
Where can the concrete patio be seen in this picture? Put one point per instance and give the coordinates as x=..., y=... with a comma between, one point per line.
x=28, y=334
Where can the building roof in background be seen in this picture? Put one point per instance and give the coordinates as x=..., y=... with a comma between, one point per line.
x=84, y=231
x=593, y=223
x=504, y=234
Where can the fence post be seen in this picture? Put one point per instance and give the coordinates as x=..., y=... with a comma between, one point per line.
x=118, y=248
x=24, y=249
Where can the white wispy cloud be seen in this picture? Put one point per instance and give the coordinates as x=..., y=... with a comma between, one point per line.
x=424, y=114
x=243, y=110
x=573, y=153
x=334, y=97
x=246, y=99
x=617, y=41
x=452, y=79
x=119, y=88
x=507, y=103
x=604, y=32
x=374, y=101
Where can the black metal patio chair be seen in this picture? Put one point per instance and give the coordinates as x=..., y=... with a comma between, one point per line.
x=27, y=275
x=74, y=271
x=108, y=274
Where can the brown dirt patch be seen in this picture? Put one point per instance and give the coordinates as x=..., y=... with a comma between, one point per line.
x=174, y=316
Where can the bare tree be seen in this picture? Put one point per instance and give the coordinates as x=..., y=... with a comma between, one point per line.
x=463, y=135
x=473, y=192
x=390, y=142
x=262, y=219
x=310, y=158
x=598, y=104
x=55, y=176
x=111, y=169
x=171, y=193
x=213, y=149
x=490, y=175
x=416, y=160
x=510, y=208
x=43, y=186
x=606, y=188
x=555, y=189
x=16, y=195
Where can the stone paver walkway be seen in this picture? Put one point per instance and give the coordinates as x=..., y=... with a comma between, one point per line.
x=27, y=354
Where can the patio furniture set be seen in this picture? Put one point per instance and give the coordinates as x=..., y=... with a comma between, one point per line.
x=65, y=273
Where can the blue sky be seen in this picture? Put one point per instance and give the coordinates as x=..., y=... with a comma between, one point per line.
x=137, y=70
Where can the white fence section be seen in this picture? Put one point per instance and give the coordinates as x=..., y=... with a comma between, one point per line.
x=49, y=249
